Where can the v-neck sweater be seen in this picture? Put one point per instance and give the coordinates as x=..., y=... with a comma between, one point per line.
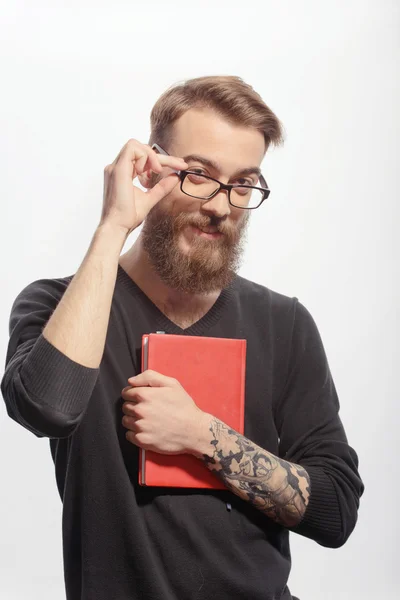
x=122, y=541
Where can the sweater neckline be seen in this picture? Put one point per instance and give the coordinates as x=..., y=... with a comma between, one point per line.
x=205, y=322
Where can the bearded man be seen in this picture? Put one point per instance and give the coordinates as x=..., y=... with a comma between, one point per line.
x=73, y=374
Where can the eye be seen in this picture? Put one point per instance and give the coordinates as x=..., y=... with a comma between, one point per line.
x=244, y=181
x=243, y=191
x=196, y=175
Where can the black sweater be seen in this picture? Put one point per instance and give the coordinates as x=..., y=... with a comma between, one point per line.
x=125, y=542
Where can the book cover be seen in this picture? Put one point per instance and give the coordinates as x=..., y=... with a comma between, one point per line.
x=212, y=371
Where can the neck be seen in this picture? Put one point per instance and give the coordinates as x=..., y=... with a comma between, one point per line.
x=176, y=305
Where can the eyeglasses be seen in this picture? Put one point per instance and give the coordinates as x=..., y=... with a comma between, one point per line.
x=201, y=186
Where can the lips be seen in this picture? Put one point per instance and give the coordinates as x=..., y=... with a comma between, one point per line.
x=208, y=230
x=205, y=228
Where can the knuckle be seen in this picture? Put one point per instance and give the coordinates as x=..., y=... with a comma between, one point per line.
x=142, y=439
x=135, y=146
x=135, y=396
x=117, y=168
x=139, y=426
x=127, y=406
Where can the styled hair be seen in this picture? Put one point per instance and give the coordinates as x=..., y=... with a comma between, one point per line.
x=227, y=95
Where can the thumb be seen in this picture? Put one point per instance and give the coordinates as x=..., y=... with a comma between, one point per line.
x=162, y=188
x=151, y=378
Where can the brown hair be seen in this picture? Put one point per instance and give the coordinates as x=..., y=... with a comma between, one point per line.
x=228, y=95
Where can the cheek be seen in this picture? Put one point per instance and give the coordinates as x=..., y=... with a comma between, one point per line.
x=243, y=217
x=179, y=203
x=238, y=217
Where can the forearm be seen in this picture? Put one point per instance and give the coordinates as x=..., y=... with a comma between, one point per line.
x=276, y=487
x=50, y=377
x=78, y=326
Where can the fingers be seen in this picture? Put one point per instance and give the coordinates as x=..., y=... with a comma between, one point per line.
x=140, y=389
x=162, y=188
x=134, y=428
x=172, y=161
x=128, y=422
x=152, y=379
x=136, y=157
x=128, y=408
x=140, y=164
x=134, y=396
x=131, y=437
x=132, y=423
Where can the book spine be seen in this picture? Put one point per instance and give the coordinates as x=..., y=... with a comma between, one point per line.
x=243, y=390
x=145, y=366
x=142, y=453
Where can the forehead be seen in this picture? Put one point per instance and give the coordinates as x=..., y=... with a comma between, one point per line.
x=204, y=132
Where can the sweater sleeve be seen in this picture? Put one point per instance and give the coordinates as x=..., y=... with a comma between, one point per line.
x=44, y=391
x=312, y=435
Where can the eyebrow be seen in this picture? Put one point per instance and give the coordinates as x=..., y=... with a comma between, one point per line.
x=213, y=165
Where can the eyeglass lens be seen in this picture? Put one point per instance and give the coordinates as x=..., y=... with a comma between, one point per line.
x=202, y=187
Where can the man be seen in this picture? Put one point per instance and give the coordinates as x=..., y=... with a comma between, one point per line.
x=73, y=374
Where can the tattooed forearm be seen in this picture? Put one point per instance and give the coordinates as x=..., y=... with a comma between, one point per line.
x=275, y=486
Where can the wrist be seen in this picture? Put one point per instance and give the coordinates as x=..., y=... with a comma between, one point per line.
x=108, y=241
x=201, y=438
x=107, y=228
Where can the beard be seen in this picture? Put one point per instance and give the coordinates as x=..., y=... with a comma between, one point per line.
x=208, y=266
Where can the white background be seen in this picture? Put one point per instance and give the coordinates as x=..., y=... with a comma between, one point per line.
x=78, y=80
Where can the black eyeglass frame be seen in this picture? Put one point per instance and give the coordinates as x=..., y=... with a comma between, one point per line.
x=222, y=186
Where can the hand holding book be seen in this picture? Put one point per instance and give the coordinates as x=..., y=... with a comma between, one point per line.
x=161, y=416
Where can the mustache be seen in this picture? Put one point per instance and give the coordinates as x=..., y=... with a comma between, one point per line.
x=220, y=225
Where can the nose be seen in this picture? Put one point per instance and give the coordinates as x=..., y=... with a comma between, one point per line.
x=218, y=205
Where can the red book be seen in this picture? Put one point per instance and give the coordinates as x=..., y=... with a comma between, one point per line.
x=212, y=371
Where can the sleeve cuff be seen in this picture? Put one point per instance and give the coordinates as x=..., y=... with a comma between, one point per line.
x=322, y=519
x=56, y=379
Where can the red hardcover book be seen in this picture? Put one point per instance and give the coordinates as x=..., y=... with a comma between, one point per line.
x=212, y=371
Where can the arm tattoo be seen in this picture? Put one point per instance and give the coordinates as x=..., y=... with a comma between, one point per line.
x=276, y=487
